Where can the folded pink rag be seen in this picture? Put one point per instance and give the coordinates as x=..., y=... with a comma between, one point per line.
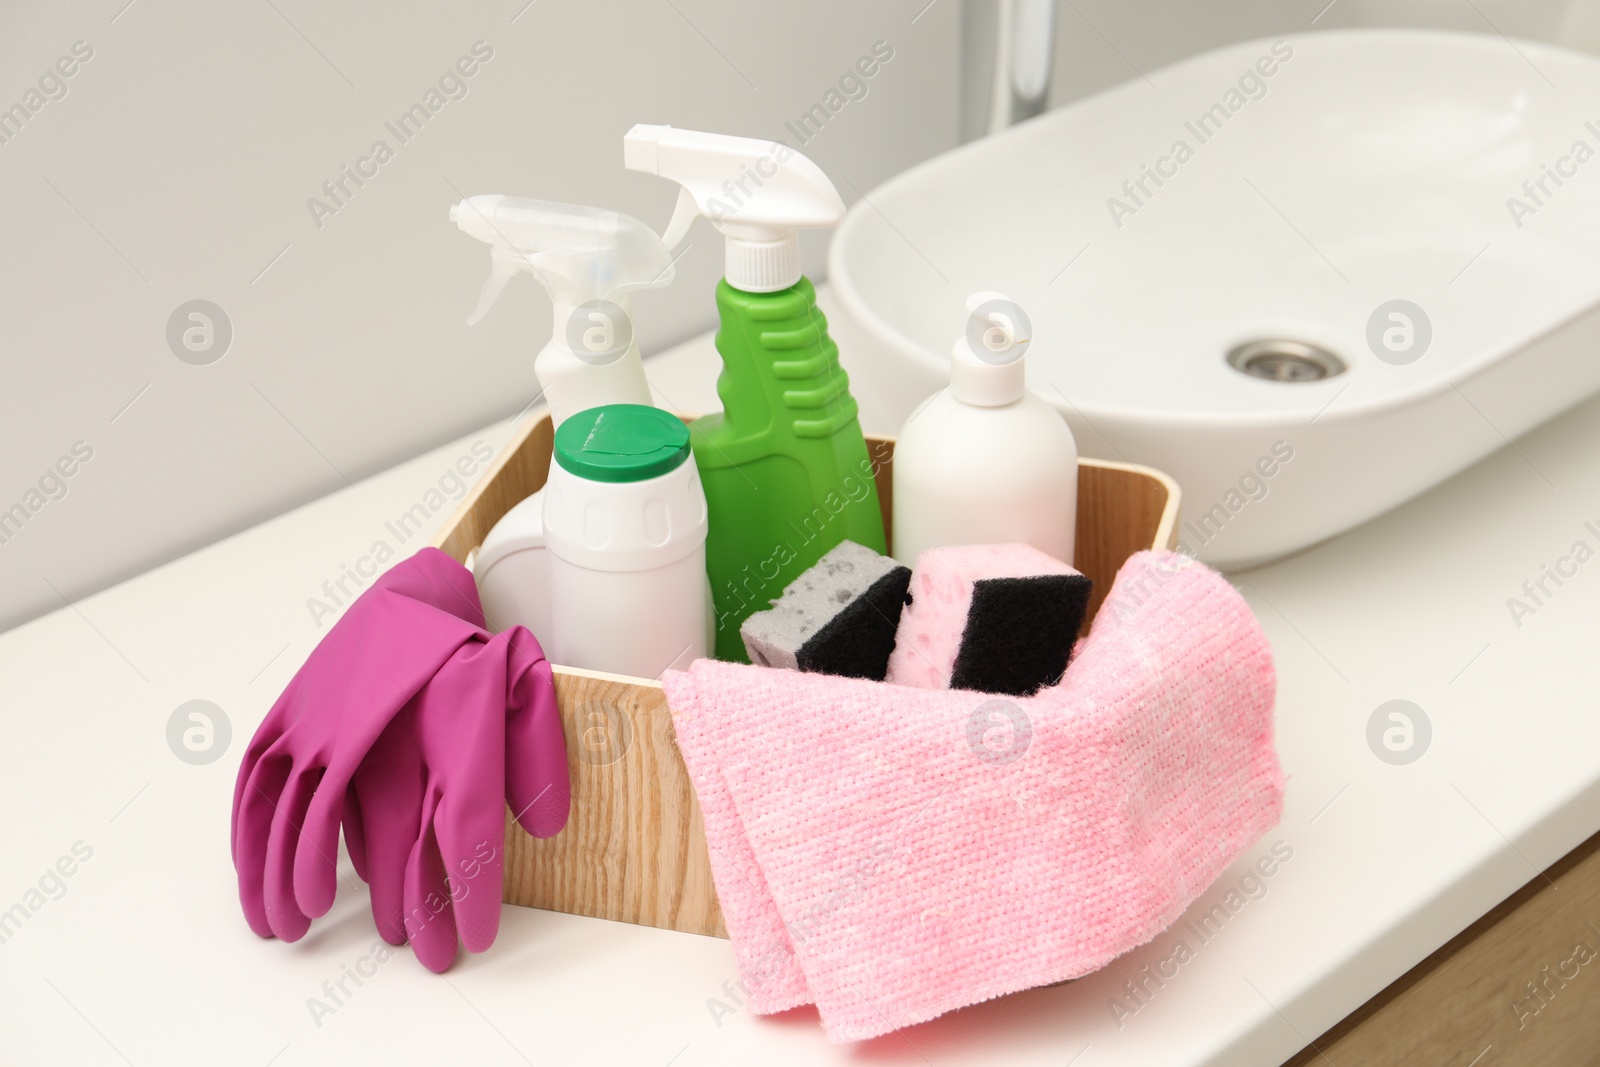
x=891, y=853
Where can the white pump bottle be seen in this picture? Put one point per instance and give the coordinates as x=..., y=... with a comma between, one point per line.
x=591, y=261
x=985, y=461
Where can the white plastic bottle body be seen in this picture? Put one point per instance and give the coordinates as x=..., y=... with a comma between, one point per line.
x=638, y=623
x=627, y=572
x=512, y=570
x=572, y=383
x=965, y=474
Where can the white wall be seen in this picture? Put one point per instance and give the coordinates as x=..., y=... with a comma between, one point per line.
x=178, y=165
x=179, y=162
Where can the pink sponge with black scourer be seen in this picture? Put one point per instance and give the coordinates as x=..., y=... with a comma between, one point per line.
x=991, y=618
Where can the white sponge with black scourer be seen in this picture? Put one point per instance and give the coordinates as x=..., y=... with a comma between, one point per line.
x=838, y=617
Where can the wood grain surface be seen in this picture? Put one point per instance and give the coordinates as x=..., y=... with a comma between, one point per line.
x=1509, y=990
x=634, y=848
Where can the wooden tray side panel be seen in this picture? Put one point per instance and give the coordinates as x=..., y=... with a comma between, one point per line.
x=520, y=470
x=634, y=848
x=1120, y=511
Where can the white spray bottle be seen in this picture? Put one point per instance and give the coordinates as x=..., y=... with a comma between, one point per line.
x=591, y=261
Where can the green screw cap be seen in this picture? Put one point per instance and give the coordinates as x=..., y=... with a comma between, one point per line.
x=622, y=443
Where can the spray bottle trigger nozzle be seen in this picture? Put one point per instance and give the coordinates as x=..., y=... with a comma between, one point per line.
x=491, y=292
x=684, y=212
x=577, y=253
x=503, y=264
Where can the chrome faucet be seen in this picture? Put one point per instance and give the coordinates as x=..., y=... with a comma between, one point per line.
x=1007, y=47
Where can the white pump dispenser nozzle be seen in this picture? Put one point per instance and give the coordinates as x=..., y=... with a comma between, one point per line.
x=590, y=260
x=757, y=193
x=986, y=367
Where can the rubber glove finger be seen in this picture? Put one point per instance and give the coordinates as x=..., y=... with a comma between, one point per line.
x=538, y=785
x=430, y=919
x=241, y=782
x=269, y=737
x=355, y=834
x=462, y=729
x=455, y=591
x=390, y=784
x=253, y=830
x=283, y=912
x=316, y=857
x=470, y=828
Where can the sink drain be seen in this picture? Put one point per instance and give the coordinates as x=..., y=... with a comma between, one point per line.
x=1285, y=361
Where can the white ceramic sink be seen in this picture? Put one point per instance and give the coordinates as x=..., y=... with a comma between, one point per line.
x=1374, y=166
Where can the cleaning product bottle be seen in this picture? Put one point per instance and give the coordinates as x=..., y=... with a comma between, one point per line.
x=591, y=261
x=786, y=470
x=626, y=523
x=985, y=460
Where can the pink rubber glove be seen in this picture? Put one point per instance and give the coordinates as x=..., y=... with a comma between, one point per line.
x=295, y=781
x=430, y=797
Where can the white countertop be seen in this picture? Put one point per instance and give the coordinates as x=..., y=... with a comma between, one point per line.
x=142, y=956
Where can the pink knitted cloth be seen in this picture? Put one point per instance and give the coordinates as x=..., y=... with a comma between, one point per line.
x=891, y=853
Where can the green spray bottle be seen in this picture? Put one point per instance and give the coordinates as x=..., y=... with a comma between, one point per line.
x=785, y=467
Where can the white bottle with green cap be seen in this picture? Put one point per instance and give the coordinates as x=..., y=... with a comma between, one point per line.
x=986, y=461
x=625, y=523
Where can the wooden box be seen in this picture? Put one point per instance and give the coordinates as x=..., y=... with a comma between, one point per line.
x=634, y=847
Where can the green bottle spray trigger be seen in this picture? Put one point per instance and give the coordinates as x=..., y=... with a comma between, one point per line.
x=785, y=467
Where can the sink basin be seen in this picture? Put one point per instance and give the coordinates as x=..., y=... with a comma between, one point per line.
x=1343, y=214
